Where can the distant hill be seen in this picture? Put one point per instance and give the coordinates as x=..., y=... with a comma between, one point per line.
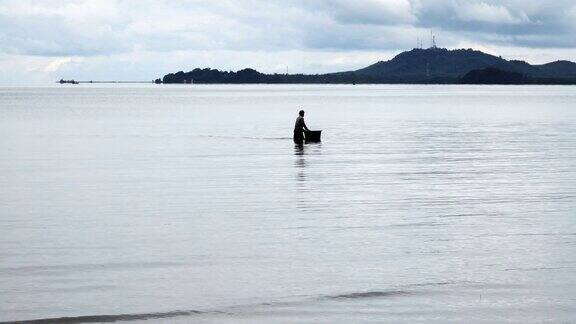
x=558, y=69
x=422, y=65
x=432, y=65
x=493, y=75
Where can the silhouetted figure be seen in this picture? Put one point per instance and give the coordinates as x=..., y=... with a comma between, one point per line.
x=299, y=129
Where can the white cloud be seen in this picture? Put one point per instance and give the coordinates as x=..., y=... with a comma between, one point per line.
x=58, y=64
x=378, y=12
x=484, y=12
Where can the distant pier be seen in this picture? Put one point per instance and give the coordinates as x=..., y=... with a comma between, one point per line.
x=62, y=81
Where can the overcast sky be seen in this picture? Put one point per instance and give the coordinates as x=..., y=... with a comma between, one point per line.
x=45, y=40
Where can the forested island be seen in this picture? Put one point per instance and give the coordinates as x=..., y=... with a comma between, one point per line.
x=419, y=66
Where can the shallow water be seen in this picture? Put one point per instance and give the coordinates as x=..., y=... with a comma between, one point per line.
x=191, y=203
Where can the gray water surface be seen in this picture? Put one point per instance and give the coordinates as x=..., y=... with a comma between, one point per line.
x=431, y=204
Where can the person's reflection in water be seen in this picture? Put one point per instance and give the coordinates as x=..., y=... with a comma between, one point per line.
x=304, y=192
x=300, y=164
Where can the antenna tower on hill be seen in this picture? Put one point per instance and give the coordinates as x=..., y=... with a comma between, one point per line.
x=432, y=40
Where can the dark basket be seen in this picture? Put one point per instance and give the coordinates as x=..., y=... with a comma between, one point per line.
x=313, y=136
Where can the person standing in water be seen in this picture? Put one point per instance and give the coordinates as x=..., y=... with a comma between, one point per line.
x=299, y=128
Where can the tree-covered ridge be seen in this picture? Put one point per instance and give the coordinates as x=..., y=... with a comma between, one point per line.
x=432, y=65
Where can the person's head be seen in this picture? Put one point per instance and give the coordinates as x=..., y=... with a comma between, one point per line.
x=301, y=113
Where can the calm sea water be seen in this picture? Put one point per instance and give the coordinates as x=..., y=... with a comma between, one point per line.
x=433, y=204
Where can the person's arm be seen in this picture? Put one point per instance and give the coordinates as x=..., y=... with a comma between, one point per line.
x=305, y=127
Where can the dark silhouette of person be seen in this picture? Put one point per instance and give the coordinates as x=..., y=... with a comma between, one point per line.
x=299, y=128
